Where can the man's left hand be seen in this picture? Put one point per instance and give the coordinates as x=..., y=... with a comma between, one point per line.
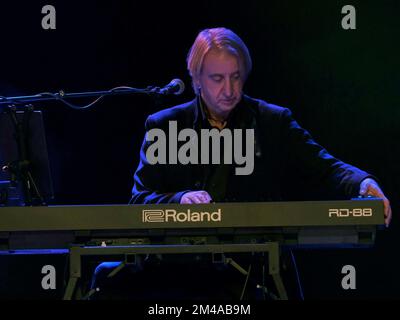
x=370, y=187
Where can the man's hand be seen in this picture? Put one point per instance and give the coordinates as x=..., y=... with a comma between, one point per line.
x=196, y=197
x=370, y=187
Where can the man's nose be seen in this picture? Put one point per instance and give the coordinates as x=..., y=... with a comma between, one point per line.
x=228, y=89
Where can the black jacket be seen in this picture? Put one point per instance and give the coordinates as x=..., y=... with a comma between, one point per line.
x=289, y=164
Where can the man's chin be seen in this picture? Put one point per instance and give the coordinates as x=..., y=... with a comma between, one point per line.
x=226, y=106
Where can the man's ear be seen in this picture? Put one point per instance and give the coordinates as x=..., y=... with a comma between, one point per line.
x=196, y=83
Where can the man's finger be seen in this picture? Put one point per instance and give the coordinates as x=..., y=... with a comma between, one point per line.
x=363, y=191
x=202, y=197
x=205, y=194
x=207, y=197
x=196, y=199
x=186, y=200
x=374, y=190
x=388, y=211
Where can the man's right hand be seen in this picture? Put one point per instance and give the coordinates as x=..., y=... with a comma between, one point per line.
x=200, y=196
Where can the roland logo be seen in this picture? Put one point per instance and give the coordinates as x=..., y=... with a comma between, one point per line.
x=171, y=215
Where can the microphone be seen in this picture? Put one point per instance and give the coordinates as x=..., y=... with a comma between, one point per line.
x=176, y=87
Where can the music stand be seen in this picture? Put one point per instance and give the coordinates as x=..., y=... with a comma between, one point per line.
x=24, y=163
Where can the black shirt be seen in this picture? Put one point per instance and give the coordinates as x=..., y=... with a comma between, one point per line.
x=216, y=176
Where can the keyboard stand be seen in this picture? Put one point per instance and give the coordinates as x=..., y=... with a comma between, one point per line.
x=77, y=252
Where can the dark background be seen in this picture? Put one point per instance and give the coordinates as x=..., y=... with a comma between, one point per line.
x=342, y=85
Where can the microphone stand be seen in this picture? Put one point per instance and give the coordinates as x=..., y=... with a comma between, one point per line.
x=20, y=169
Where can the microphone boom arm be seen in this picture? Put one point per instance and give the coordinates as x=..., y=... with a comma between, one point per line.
x=123, y=90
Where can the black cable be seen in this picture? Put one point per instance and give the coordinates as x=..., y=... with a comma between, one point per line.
x=61, y=96
x=297, y=275
x=245, y=283
x=73, y=106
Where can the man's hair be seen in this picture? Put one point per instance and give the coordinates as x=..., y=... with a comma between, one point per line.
x=220, y=39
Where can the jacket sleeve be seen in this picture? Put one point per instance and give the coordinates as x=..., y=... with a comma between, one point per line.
x=315, y=164
x=149, y=179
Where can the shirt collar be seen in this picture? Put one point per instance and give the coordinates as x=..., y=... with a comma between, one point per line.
x=201, y=116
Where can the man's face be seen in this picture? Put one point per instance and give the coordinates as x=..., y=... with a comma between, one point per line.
x=221, y=82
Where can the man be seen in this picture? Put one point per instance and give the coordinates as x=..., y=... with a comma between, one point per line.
x=284, y=153
x=219, y=63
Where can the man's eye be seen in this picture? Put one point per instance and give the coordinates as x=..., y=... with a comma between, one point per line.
x=217, y=78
